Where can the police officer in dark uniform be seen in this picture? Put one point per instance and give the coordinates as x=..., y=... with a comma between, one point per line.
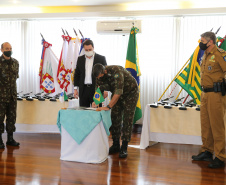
x=9, y=72
x=125, y=93
x=213, y=73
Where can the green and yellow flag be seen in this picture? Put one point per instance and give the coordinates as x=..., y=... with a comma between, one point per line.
x=98, y=97
x=132, y=65
x=189, y=78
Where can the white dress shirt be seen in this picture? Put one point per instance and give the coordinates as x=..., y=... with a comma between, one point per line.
x=88, y=70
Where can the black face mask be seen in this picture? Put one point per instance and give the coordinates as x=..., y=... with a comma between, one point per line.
x=203, y=46
x=8, y=53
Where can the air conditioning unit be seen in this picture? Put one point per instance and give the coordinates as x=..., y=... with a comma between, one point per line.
x=117, y=27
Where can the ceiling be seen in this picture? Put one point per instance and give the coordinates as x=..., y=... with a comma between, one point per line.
x=19, y=9
x=65, y=2
x=182, y=3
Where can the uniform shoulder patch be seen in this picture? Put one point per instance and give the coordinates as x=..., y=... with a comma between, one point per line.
x=224, y=58
x=116, y=76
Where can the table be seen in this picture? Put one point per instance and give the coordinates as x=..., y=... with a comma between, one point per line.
x=171, y=126
x=84, y=135
x=41, y=116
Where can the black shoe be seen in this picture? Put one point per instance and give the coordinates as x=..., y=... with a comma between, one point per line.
x=115, y=148
x=204, y=156
x=216, y=163
x=12, y=143
x=123, y=151
x=2, y=146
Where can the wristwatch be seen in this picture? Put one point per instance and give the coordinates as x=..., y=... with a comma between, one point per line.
x=108, y=107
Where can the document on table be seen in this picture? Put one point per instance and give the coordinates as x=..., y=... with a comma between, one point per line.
x=82, y=108
x=90, y=108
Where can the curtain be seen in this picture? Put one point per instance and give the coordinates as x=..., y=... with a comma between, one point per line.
x=164, y=46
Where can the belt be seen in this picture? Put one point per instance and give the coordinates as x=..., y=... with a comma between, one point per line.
x=87, y=85
x=208, y=90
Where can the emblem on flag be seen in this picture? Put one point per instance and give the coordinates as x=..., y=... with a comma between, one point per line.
x=48, y=83
x=98, y=97
x=64, y=78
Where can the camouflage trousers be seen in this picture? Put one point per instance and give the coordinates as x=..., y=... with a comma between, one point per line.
x=124, y=110
x=8, y=110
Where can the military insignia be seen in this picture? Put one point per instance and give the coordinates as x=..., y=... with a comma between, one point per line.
x=116, y=75
x=209, y=68
x=212, y=57
x=225, y=58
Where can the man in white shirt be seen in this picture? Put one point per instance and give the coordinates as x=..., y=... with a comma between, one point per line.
x=84, y=82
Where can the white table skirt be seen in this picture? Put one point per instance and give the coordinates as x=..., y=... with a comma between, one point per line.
x=147, y=135
x=93, y=149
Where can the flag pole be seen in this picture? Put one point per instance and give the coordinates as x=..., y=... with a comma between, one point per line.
x=75, y=32
x=42, y=36
x=179, y=93
x=174, y=79
x=67, y=33
x=185, y=99
x=80, y=33
x=217, y=30
x=63, y=31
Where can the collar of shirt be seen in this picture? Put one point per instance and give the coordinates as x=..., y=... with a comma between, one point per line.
x=2, y=58
x=212, y=51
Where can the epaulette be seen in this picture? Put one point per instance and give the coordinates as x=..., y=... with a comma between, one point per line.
x=221, y=50
x=223, y=53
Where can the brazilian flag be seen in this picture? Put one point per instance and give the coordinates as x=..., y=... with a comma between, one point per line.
x=132, y=65
x=98, y=97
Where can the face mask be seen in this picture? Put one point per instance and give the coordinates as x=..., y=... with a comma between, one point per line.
x=203, y=46
x=89, y=53
x=8, y=53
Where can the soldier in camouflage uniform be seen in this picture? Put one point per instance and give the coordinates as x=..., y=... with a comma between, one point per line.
x=9, y=68
x=125, y=93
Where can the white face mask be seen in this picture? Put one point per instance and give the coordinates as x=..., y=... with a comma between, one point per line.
x=89, y=53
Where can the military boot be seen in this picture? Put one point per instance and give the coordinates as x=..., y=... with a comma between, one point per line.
x=115, y=148
x=11, y=141
x=123, y=151
x=1, y=142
